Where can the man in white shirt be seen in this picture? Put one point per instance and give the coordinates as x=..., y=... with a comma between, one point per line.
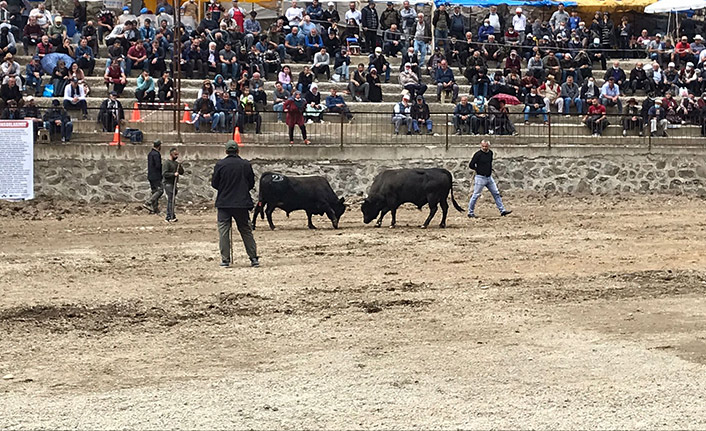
x=294, y=14
x=519, y=23
x=126, y=16
x=75, y=97
x=42, y=14
x=352, y=13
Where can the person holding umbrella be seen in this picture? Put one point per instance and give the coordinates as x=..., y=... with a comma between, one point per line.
x=233, y=178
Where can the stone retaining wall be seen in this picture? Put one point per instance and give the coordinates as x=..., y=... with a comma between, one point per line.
x=125, y=180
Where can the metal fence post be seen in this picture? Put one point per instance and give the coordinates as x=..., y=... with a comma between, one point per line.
x=549, y=131
x=341, y=137
x=446, y=127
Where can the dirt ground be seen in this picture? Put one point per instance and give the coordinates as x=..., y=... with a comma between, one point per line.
x=571, y=313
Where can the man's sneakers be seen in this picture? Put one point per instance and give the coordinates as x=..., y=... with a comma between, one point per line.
x=254, y=262
x=506, y=212
x=472, y=216
x=225, y=264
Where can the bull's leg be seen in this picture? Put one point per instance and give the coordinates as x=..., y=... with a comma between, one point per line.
x=268, y=212
x=382, y=214
x=432, y=211
x=254, y=217
x=394, y=217
x=308, y=217
x=444, y=211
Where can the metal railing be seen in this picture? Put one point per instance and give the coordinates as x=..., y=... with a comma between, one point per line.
x=172, y=123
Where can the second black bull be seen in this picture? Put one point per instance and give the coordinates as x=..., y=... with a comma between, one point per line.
x=312, y=194
x=395, y=187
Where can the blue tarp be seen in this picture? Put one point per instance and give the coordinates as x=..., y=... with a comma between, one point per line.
x=488, y=3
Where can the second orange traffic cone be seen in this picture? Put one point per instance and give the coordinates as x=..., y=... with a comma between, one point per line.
x=186, y=118
x=135, y=117
x=236, y=136
x=116, y=137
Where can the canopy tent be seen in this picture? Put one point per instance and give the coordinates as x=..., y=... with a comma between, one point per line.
x=488, y=3
x=666, y=6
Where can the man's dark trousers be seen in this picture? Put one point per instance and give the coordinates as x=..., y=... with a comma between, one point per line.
x=242, y=221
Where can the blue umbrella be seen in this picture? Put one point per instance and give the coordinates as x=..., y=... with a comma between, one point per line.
x=49, y=61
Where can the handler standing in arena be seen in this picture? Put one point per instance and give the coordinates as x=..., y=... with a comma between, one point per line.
x=170, y=172
x=482, y=163
x=233, y=177
x=154, y=176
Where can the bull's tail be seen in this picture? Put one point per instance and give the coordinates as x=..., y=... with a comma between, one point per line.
x=453, y=200
x=260, y=209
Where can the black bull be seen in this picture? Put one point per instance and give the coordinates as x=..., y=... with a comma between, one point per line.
x=392, y=188
x=311, y=194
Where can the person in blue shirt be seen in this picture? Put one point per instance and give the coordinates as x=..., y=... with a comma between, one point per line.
x=227, y=107
x=294, y=45
x=147, y=32
x=315, y=11
x=485, y=30
x=335, y=103
x=314, y=43
x=84, y=57
x=33, y=76
x=306, y=25
x=445, y=81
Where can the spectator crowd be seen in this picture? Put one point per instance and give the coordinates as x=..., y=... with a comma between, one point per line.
x=564, y=66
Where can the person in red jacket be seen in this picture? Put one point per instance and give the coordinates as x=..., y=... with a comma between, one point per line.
x=294, y=108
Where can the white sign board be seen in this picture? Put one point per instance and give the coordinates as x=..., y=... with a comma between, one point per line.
x=16, y=159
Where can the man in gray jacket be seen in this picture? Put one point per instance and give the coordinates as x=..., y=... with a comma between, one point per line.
x=410, y=81
x=571, y=93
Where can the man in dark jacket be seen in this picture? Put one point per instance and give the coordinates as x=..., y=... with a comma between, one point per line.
x=482, y=164
x=57, y=120
x=170, y=173
x=233, y=178
x=370, y=23
x=154, y=176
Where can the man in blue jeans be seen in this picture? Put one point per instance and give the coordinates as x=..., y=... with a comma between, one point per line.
x=482, y=163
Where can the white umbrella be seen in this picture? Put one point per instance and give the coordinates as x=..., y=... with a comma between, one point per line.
x=666, y=6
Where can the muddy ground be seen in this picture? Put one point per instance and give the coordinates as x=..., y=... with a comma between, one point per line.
x=571, y=313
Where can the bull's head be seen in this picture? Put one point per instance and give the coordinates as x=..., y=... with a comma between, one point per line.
x=338, y=209
x=370, y=210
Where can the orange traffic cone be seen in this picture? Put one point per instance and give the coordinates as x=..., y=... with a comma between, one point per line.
x=116, y=137
x=236, y=137
x=135, y=117
x=186, y=118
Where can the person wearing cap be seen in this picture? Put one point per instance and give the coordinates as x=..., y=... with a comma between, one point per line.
x=11, y=112
x=421, y=116
x=369, y=21
x=10, y=69
x=31, y=112
x=154, y=176
x=656, y=49
x=330, y=16
x=253, y=30
x=401, y=114
x=111, y=112
x=165, y=6
x=390, y=16
x=106, y=21
x=683, y=52
x=445, y=81
x=596, y=53
x=632, y=117
x=7, y=41
x=57, y=120
x=75, y=97
x=410, y=82
x=657, y=117
x=689, y=78
x=56, y=32
x=671, y=80
x=233, y=178
x=379, y=62
x=126, y=15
